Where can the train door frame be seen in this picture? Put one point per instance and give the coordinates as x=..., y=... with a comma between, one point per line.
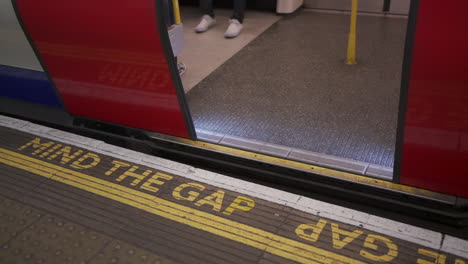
x=405, y=82
x=405, y=79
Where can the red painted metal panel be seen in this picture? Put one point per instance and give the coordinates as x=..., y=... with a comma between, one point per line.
x=435, y=143
x=107, y=61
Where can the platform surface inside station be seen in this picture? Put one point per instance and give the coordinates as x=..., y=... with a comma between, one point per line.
x=65, y=198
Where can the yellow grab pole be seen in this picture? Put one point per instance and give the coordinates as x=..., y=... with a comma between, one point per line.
x=175, y=6
x=351, y=57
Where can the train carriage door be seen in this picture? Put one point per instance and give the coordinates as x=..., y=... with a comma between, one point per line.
x=434, y=134
x=109, y=60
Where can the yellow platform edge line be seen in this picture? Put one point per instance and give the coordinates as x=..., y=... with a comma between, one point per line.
x=248, y=235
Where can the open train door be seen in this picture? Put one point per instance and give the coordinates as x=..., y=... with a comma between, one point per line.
x=434, y=121
x=110, y=60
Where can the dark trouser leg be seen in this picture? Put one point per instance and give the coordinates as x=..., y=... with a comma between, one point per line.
x=239, y=10
x=207, y=7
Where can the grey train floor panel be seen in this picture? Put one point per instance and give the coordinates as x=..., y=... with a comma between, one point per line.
x=291, y=87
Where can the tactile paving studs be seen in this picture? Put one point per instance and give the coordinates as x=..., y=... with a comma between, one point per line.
x=119, y=252
x=54, y=240
x=14, y=217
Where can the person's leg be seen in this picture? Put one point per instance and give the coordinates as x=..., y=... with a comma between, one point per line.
x=235, y=27
x=239, y=10
x=207, y=20
x=207, y=7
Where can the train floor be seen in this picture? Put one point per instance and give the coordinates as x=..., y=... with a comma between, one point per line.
x=204, y=53
x=290, y=86
x=65, y=198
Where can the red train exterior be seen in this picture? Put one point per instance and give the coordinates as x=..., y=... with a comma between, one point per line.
x=118, y=72
x=122, y=72
x=435, y=136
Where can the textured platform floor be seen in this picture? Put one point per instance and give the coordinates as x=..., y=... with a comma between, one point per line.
x=290, y=87
x=70, y=199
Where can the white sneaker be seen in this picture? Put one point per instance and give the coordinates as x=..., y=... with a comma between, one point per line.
x=234, y=29
x=206, y=22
